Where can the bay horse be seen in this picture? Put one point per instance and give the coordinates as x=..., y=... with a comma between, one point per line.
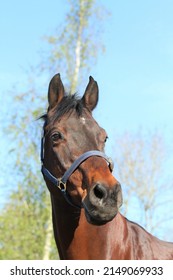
x=85, y=196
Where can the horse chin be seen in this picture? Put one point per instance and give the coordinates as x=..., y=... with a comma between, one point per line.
x=96, y=220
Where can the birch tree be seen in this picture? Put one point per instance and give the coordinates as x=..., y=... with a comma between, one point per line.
x=76, y=45
x=73, y=50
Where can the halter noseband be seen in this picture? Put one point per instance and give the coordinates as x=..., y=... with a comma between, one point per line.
x=61, y=182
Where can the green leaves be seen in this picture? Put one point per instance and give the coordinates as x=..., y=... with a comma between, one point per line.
x=25, y=221
x=76, y=45
x=23, y=224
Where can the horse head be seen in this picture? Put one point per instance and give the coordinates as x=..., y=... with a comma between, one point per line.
x=73, y=144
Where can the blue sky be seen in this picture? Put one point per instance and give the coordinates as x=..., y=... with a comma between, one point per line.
x=135, y=74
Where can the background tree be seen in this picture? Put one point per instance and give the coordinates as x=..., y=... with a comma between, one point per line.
x=24, y=222
x=147, y=188
x=76, y=45
x=26, y=218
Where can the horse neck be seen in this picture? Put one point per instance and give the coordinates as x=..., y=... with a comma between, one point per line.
x=65, y=221
x=75, y=237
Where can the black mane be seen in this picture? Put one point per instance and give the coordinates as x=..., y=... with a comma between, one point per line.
x=67, y=104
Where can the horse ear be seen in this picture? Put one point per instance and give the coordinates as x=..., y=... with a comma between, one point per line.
x=55, y=91
x=90, y=97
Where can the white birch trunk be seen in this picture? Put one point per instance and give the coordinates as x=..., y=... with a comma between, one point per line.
x=78, y=49
x=47, y=245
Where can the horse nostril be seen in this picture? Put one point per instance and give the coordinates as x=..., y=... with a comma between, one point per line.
x=99, y=191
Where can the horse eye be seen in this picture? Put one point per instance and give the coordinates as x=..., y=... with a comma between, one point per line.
x=56, y=136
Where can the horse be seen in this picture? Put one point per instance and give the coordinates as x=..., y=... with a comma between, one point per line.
x=85, y=196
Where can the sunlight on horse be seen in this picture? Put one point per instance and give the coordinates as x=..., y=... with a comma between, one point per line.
x=85, y=196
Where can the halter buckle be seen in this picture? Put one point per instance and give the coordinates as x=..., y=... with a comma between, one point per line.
x=61, y=185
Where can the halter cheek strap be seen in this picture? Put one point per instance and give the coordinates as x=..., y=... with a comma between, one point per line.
x=61, y=182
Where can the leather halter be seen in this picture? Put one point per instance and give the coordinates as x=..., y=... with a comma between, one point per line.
x=61, y=182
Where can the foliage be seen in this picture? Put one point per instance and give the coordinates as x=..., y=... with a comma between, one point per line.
x=25, y=222
x=76, y=45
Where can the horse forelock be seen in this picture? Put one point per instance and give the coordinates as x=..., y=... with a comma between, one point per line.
x=68, y=104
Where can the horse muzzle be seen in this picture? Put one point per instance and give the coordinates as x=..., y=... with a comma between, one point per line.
x=102, y=203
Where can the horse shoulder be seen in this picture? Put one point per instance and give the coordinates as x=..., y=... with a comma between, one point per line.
x=146, y=246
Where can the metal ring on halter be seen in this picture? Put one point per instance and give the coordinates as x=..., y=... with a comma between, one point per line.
x=61, y=185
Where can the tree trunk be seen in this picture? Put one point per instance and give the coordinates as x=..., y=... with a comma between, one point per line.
x=78, y=48
x=49, y=232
